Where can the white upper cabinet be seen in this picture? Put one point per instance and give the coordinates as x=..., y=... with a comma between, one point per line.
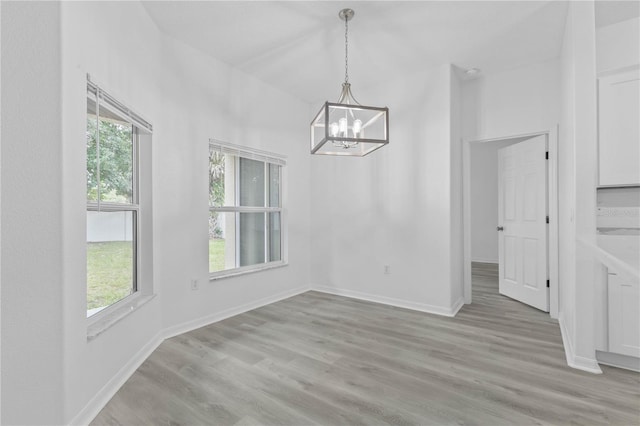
x=618, y=128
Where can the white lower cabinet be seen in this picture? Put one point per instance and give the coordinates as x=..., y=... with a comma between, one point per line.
x=624, y=316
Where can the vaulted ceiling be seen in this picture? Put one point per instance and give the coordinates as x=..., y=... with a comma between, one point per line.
x=298, y=46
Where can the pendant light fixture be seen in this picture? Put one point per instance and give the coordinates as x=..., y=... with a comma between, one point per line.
x=346, y=127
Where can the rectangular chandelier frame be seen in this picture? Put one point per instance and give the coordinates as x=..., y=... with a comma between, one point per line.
x=320, y=131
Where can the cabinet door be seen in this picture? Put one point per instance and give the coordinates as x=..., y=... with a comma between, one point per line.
x=624, y=316
x=618, y=134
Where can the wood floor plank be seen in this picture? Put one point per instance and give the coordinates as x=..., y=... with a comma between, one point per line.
x=322, y=359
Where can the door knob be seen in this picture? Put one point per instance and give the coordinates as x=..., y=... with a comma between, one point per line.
x=499, y=228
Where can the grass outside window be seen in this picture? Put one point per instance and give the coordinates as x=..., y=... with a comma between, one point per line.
x=109, y=272
x=216, y=254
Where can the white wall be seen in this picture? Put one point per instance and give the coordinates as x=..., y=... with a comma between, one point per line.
x=250, y=114
x=47, y=49
x=484, y=200
x=392, y=207
x=32, y=344
x=618, y=45
x=514, y=102
x=577, y=181
x=33, y=305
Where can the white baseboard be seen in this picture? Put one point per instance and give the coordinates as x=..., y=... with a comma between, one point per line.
x=476, y=260
x=104, y=395
x=450, y=311
x=573, y=360
x=618, y=360
x=457, y=306
x=228, y=313
x=98, y=402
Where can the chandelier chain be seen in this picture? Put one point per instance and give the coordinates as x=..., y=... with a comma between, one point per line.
x=346, y=50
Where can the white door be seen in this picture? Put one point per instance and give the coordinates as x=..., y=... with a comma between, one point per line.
x=522, y=222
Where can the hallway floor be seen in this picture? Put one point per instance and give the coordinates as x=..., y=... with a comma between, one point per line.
x=322, y=359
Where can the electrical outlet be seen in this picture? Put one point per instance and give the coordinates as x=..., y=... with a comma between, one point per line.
x=194, y=284
x=387, y=269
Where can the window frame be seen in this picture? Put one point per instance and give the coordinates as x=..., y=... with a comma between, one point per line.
x=267, y=158
x=142, y=291
x=134, y=206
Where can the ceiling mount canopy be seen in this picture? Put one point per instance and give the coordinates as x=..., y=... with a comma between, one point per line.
x=345, y=127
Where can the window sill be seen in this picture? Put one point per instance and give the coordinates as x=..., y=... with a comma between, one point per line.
x=111, y=317
x=246, y=270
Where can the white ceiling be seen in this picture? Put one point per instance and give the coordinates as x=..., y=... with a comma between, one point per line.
x=298, y=46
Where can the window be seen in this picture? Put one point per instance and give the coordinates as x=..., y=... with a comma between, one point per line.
x=113, y=200
x=245, y=209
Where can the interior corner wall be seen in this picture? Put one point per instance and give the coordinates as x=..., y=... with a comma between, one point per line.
x=577, y=180
x=392, y=207
x=32, y=332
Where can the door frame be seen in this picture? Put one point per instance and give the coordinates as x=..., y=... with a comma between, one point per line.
x=552, y=199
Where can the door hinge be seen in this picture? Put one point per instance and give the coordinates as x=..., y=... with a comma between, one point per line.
x=547, y=219
x=546, y=155
x=547, y=283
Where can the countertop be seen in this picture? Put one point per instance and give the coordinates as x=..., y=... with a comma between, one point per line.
x=619, y=253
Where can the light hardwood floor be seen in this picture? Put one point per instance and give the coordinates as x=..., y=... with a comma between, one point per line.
x=323, y=359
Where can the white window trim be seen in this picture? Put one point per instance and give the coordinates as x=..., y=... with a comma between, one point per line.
x=133, y=117
x=244, y=270
x=266, y=157
x=112, y=314
x=251, y=153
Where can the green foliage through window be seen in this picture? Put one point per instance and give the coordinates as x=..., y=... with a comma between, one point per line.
x=216, y=190
x=109, y=272
x=116, y=157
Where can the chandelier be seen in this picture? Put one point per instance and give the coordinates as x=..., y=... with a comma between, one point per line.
x=346, y=127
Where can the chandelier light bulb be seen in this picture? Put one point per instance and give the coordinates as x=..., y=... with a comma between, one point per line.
x=357, y=127
x=344, y=126
x=335, y=129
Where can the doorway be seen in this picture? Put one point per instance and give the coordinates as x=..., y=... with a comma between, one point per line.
x=480, y=208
